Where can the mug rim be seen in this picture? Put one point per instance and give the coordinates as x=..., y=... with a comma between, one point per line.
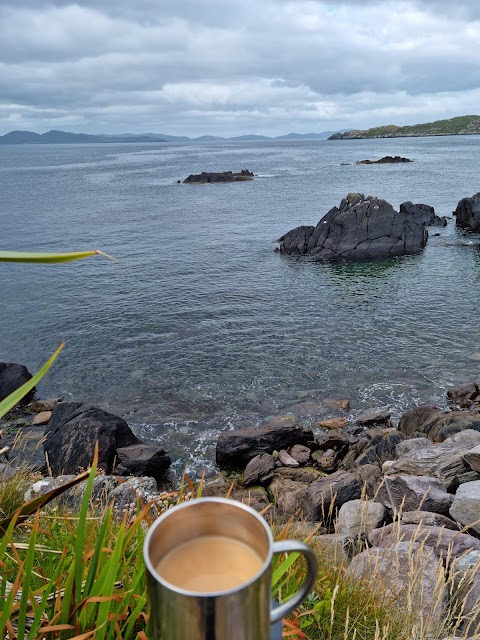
x=210, y=594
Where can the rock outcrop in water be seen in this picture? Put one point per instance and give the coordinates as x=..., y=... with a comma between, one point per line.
x=226, y=176
x=424, y=213
x=386, y=160
x=360, y=228
x=468, y=213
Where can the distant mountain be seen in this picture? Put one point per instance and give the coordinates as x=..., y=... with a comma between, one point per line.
x=460, y=126
x=65, y=137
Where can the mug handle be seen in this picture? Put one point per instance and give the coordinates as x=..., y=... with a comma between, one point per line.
x=312, y=567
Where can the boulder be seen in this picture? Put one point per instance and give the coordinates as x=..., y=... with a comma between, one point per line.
x=286, y=459
x=404, y=447
x=300, y=453
x=72, y=432
x=374, y=418
x=360, y=228
x=236, y=448
x=472, y=458
x=358, y=517
x=465, y=508
x=444, y=461
x=332, y=423
x=468, y=213
x=414, y=492
x=424, y=214
x=427, y=519
x=321, y=499
x=259, y=469
x=411, y=575
x=413, y=419
x=466, y=589
x=465, y=395
x=224, y=176
x=381, y=448
x=386, y=160
x=143, y=460
x=286, y=494
x=41, y=418
x=12, y=376
x=446, y=543
x=126, y=495
x=438, y=425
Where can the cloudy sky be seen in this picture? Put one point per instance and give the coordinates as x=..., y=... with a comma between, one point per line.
x=228, y=67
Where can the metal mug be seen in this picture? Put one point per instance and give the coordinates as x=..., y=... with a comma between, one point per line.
x=242, y=613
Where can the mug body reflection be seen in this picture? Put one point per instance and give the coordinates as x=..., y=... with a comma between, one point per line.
x=240, y=612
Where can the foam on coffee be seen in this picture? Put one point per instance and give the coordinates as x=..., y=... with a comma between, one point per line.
x=208, y=564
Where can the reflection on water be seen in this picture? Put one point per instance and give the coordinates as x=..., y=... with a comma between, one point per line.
x=203, y=327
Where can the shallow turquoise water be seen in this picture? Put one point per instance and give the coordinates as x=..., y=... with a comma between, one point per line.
x=203, y=327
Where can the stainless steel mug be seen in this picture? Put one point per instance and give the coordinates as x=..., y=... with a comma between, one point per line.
x=241, y=613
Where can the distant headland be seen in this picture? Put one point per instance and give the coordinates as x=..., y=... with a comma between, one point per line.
x=460, y=126
x=65, y=137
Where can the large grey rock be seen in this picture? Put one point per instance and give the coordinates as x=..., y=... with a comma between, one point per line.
x=360, y=228
x=409, y=493
x=444, y=461
x=381, y=448
x=236, y=448
x=300, y=453
x=411, y=574
x=128, y=494
x=446, y=543
x=427, y=519
x=472, y=458
x=12, y=376
x=423, y=213
x=143, y=460
x=73, y=431
x=468, y=213
x=465, y=395
x=359, y=517
x=224, y=176
x=259, y=469
x=437, y=425
x=286, y=495
x=413, y=419
x=404, y=447
x=374, y=418
x=465, y=574
x=465, y=508
x=321, y=499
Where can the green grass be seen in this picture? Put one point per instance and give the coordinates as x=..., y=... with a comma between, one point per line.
x=453, y=126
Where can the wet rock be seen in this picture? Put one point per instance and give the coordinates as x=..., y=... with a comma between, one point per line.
x=332, y=423
x=12, y=376
x=375, y=418
x=322, y=498
x=236, y=448
x=73, y=431
x=414, y=492
x=332, y=403
x=381, y=448
x=427, y=519
x=225, y=176
x=143, y=460
x=424, y=214
x=259, y=469
x=444, y=461
x=360, y=228
x=443, y=541
x=41, y=418
x=359, y=517
x=465, y=508
x=286, y=459
x=468, y=213
x=392, y=568
x=300, y=453
x=465, y=395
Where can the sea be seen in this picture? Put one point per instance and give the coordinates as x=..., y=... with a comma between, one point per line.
x=201, y=327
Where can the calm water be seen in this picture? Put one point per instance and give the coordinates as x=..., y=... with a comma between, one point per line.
x=202, y=327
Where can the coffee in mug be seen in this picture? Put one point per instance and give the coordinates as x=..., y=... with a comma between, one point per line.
x=209, y=573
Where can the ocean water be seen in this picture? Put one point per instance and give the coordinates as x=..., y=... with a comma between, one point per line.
x=202, y=327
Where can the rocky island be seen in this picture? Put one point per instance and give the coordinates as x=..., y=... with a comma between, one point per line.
x=461, y=126
x=386, y=160
x=226, y=176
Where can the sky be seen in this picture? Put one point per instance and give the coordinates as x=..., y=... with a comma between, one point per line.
x=232, y=67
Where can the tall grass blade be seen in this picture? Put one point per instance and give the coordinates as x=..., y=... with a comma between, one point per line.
x=49, y=258
x=14, y=398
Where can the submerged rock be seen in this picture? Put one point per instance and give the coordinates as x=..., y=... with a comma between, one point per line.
x=360, y=228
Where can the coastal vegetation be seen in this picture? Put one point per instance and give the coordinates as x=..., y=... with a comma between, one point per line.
x=462, y=125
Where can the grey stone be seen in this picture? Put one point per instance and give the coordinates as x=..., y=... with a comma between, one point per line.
x=127, y=494
x=409, y=493
x=43, y=486
x=300, y=453
x=404, y=447
x=359, y=517
x=286, y=459
x=413, y=419
x=425, y=593
x=444, y=461
x=360, y=228
x=224, y=176
x=424, y=214
x=472, y=458
x=465, y=395
x=43, y=405
x=12, y=376
x=255, y=497
x=374, y=417
x=465, y=508
x=41, y=418
x=444, y=542
x=465, y=574
x=427, y=519
x=381, y=448
x=259, y=469
x=286, y=494
x=299, y=474
x=320, y=500
x=143, y=460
